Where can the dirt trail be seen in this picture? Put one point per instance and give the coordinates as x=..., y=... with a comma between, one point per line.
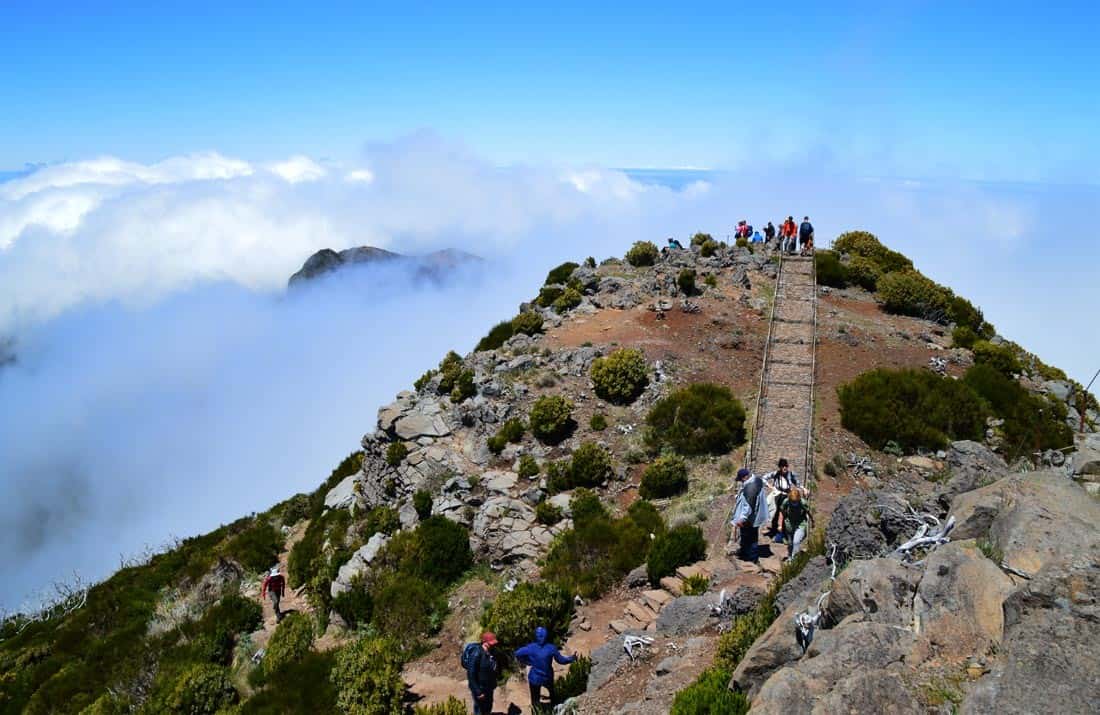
x=292, y=602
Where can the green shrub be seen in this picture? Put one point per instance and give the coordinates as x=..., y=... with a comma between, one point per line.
x=646, y=516
x=672, y=549
x=915, y=408
x=569, y=299
x=686, y=281
x=423, y=380
x=289, y=644
x=257, y=547
x=443, y=550
x=527, y=323
x=561, y=273
x=406, y=607
x=999, y=357
x=741, y=242
x=422, y=502
x=355, y=605
x=696, y=585
x=528, y=467
x=305, y=687
x=549, y=294
x=464, y=387
x=864, y=244
x=551, y=418
x=368, y=680
x=202, y=689
x=589, y=466
x=396, y=453
x=585, y=506
x=708, y=248
x=515, y=614
x=664, y=478
x=700, y=238
x=642, y=253
x=382, y=520
x=710, y=694
x=511, y=431
x=962, y=312
x=702, y=418
x=449, y=368
x=963, y=337
x=547, y=513
x=575, y=680
x=621, y=376
x=910, y=293
x=214, y=635
x=497, y=336
x=830, y=271
x=597, y=422
x=1031, y=423
x=711, y=280
x=452, y=706
x=864, y=272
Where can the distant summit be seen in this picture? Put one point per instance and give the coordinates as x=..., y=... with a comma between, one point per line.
x=431, y=266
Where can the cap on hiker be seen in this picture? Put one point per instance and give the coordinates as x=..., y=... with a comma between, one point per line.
x=783, y=462
x=274, y=571
x=743, y=473
x=794, y=494
x=489, y=638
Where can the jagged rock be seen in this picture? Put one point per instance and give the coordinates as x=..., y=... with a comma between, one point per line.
x=874, y=691
x=606, y=660
x=1086, y=461
x=358, y=564
x=684, y=615
x=816, y=570
x=881, y=590
x=972, y=465
x=852, y=527
x=417, y=424
x=637, y=577
x=500, y=482
x=342, y=496
x=534, y=496
x=744, y=599
x=668, y=665
x=408, y=516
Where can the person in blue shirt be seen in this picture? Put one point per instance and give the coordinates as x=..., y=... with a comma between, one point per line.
x=540, y=656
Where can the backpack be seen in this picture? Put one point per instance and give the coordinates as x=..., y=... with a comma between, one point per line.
x=470, y=652
x=794, y=515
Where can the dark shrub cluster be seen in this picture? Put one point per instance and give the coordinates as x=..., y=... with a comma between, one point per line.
x=570, y=298
x=589, y=466
x=560, y=274
x=454, y=379
x=710, y=693
x=677, y=547
x=621, y=376
x=528, y=467
x=511, y=431
x=396, y=453
x=685, y=280
x=257, y=547
x=700, y=238
x=1001, y=358
x=642, y=253
x=526, y=323
x=1031, y=423
x=515, y=614
x=666, y=477
x=708, y=248
x=367, y=678
x=422, y=503
x=702, y=418
x=574, y=681
x=963, y=336
x=830, y=271
x=547, y=513
x=597, y=422
x=551, y=418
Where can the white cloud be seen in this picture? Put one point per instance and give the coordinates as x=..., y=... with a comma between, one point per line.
x=363, y=175
x=298, y=169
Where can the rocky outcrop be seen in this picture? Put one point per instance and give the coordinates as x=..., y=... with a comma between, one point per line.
x=972, y=465
x=358, y=564
x=433, y=266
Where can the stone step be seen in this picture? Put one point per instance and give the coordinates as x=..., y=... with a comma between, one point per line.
x=622, y=626
x=673, y=585
x=656, y=599
x=640, y=613
x=686, y=572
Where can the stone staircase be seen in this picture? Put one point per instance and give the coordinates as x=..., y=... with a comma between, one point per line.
x=640, y=614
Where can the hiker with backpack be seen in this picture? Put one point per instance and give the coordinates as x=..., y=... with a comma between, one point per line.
x=673, y=244
x=796, y=515
x=769, y=232
x=806, y=236
x=750, y=512
x=274, y=585
x=781, y=481
x=482, y=670
x=541, y=655
x=788, y=233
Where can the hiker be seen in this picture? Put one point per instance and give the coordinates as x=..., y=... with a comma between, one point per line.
x=769, y=232
x=541, y=656
x=750, y=512
x=781, y=481
x=788, y=233
x=274, y=585
x=796, y=514
x=674, y=244
x=806, y=236
x=481, y=672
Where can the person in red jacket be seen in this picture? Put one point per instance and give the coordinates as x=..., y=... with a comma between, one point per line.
x=789, y=232
x=274, y=585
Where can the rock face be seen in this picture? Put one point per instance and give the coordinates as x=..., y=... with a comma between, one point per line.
x=1030, y=643
x=432, y=266
x=358, y=564
x=972, y=465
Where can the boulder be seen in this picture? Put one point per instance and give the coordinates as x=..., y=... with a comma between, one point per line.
x=342, y=496
x=852, y=527
x=813, y=574
x=637, y=577
x=358, y=564
x=776, y=648
x=744, y=599
x=874, y=691
x=685, y=615
x=972, y=465
x=880, y=590
x=417, y=424
x=1086, y=460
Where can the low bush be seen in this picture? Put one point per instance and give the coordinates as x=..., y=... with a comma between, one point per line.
x=696, y=585
x=560, y=274
x=355, y=605
x=598, y=422
x=642, y=253
x=963, y=337
x=464, y=387
x=367, y=676
x=708, y=248
x=527, y=323
x=585, y=506
x=497, y=336
x=437, y=550
x=396, y=453
x=551, y=418
x=528, y=467
x=256, y=547
x=677, y=547
x=569, y=299
x=910, y=293
x=406, y=608
x=914, y=408
x=422, y=503
x=382, y=520
x=511, y=431
x=423, y=380
x=741, y=242
x=202, y=689
x=685, y=280
x=863, y=272
x=451, y=706
x=575, y=680
x=866, y=245
x=962, y=312
x=547, y=513
x=589, y=466
x=1001, y=358
x=289, y=644
x=548, y=294
x=830, y=271
x=702, y=418
x=515, y=614
x=305, y=687
x=711, y=280
x=590, y=262
x=700, y=238
x=664, y=478
x=710, y=694
x=1031, y=423
x=621, y=376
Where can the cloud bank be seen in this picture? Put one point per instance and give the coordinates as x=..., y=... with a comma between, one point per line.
x=165, y=383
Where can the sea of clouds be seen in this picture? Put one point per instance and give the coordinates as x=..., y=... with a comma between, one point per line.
x=165, y=382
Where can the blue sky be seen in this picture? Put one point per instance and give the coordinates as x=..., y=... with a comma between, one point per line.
x=994, y=91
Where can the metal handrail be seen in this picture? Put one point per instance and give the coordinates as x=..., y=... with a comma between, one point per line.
x=750, y=455
x=807, y=477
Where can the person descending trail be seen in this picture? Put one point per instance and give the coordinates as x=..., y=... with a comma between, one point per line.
x=796, y=515
x=806, y=236
x=482, y=670
x=769, y=232
x=788, y=233
x=541, y=656
x=780, y=481
x=274, y=585
x=750, y=512
x=674, y=244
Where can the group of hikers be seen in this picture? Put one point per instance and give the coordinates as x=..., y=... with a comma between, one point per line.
x=779, y=495
x=792, y=237
x=539, y=656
